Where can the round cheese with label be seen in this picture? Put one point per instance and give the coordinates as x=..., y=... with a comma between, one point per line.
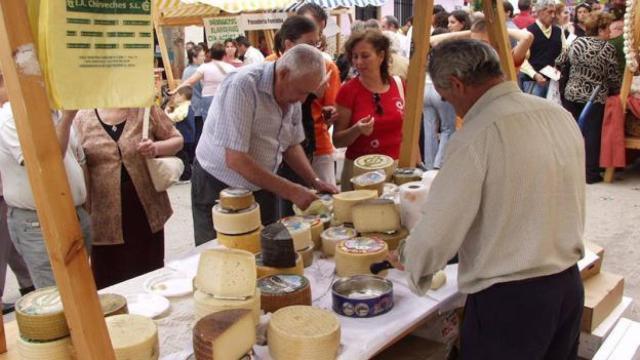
x=249, y=241
x=392, y=239
x=300, y=231
x=236, y=199
x=373, y=162
x=40, y=315
x=355, y=256
x=133, y=336
x=303, y=332
x=307, y=256
x=372, y=180
x=236, y=222
x=279, y=291
x=405, y=175
x=317, y=227
x=333, y=235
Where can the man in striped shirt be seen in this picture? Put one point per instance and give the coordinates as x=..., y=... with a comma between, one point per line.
x=510, y=200
x=253, y=124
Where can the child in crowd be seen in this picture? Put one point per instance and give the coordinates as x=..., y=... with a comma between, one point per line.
x=184, y=121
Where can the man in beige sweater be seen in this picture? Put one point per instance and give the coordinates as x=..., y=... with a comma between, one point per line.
x=510, y=201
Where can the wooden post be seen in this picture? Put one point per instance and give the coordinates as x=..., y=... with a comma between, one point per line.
x=162, y=43
x=339, y=34
x=497, y=30
x=3, y=339
x=422, y=18
x=269, y=36
x=625, y=89
x=48, y=179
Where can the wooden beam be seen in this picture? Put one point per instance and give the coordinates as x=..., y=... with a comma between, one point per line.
x=422, y=18
x=181, y=21
x=497, y=30
x=269, y=36
x=49, y=184
x=164, y=52
x=339, y=34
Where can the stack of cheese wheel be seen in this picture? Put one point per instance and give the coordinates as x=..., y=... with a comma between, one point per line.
x=279, y=247
x=334, y=235
x=392, y=238
x=228, y=334
x=236, y=219
x=113, y=304
x=278, y=291
x=303, y=332
x=405, y=175
x=300, y=231
x=344, y=202
x=376, y=215
x=372, y=180
x=317, y=227
x=355, y=256
x=44, y=333
x=374, y=162
x=226, y=279
x=133, y=337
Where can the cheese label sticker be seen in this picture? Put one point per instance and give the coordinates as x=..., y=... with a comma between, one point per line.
x=374, y=161
x=295, y=224
x=279, y=284
x=312, y=220
x=41, y=302
x=406, y=171
x=235, y=192
x=339, y=233
x=362, y=245
x=370, y=178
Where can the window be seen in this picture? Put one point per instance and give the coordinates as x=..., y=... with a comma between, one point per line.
x=403, y=10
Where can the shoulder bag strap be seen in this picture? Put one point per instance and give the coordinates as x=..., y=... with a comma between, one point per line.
x=398, y=81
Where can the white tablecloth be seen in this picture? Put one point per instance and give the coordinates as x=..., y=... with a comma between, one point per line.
x=361, y=338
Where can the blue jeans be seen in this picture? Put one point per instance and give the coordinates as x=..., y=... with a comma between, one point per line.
x=26, y=235
x=435, y=111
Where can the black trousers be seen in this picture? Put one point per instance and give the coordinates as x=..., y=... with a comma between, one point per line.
x=205, y=190
x=592, y=135
x=186, y=155
x=285, y=207
x=536, y=318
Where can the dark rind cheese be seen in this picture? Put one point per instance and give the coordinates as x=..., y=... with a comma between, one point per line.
x=278, y=291
x=277, y=246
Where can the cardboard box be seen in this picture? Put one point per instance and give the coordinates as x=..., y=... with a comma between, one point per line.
x=623, y=343
x=602, y=293
x=594, y=268
x=589, y=265
x=591, y=342
x=599, y=250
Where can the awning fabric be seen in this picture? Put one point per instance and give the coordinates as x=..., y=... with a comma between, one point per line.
x=332, y=4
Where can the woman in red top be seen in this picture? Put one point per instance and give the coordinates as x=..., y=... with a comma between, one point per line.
x=371, y=105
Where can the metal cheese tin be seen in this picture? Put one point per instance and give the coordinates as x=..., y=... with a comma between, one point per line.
x=362, y=296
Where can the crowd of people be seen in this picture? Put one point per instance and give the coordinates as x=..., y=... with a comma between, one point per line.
x=271, y=122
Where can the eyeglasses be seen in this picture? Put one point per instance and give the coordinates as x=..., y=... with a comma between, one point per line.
x=376, y=102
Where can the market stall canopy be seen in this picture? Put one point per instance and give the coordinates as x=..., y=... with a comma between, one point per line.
x=333, y=4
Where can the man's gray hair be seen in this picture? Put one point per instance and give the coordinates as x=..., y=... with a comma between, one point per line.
x=302, y=60
x=471, y=61
x=541, y=5
x=393, y=21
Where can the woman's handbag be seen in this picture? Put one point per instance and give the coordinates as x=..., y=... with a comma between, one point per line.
x=164, y=171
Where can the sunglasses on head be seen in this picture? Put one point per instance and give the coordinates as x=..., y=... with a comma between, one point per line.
x=376, y=102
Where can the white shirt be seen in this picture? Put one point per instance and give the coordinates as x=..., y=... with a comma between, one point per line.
x=253, y=56
x=16, y=186
x=214, y=72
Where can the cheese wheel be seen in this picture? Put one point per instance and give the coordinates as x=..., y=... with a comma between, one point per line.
x=300, y=231
x=373, y=162
x=277, y=246
x=372, y=180
x=405, y=175
x=61, y=349
x=40, y=315
x=113, y=304
x=333, y=235
x=392, y=239
x=438, y=280
x=303, y=332
x=307, y=256
x=249, y=242
x=326, y=221
x=317, y=207
x=376, y=215
x=236, y=222
x=227, y=273
x=235, y=199
x=228, y=334
x=205, y=304
x=317, y=227
x=133, y=337
x=343, y=203
x=355, y=256
x=280, y=291
x=390, y=188
x=263, y=270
